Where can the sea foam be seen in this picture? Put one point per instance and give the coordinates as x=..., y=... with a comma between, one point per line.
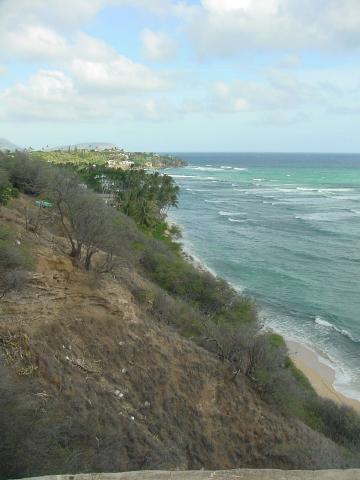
x=229, y=214
x=326, y=202
x=196, y=177
x=233, y=220
x=330, y=326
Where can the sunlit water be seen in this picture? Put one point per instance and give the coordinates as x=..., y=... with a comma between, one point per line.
x=285, y=229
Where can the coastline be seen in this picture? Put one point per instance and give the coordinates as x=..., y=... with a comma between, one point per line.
x=320, y=375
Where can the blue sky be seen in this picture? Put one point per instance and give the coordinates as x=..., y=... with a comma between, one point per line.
x=170, y=75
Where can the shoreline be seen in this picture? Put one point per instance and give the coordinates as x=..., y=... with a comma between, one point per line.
x=320, y=375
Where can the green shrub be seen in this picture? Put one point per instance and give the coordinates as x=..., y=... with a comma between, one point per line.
x=7, y=191
x=338, y=422
x=300, y=378
x=29, y=175
x=213, y=296
x=277, y=340
x=175, y=312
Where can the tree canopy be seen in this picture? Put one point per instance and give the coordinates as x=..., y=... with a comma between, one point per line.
x=146, y=197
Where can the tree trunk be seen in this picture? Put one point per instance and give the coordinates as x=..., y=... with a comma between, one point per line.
x=88, y=258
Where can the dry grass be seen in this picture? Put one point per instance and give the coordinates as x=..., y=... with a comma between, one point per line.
x=92, y=381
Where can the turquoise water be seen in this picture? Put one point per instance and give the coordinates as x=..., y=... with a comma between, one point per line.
x=285, y=229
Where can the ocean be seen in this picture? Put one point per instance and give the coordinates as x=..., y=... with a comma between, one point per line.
x=285, y=229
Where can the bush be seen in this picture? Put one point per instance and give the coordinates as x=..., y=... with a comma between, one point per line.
x=29, y=175
x=338, y=422
x=6, y=189
x=262, y=357
x=213, y=296
x=175, y=312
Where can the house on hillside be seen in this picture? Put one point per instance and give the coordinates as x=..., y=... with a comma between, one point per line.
x=120, y=164
x=127, y=163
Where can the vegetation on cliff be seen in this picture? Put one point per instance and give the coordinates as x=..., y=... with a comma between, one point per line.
x=7, y=191
x=113, y=157
x=144, y=197
x=121, y=355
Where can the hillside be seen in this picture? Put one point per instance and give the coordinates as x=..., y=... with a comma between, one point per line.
x=109, y=369
x=106, y=155
x=104, y=387
x=85, y=146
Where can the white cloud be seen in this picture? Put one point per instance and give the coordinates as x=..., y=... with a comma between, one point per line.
x=93, y=64
x=227, y=27
x=120, y=75
x=30, y=29
x=48, y=86
x=59, y=13
x=33, y=43
x=48, y=95
x=91, y=48
x=36, y=43
x=228, y=98
x=282, y=93
x=221, y=6
x=51, y=96
x=69, y=14
x=243, y=6
x=158, y=46
x=96, y=66
x=87, y=78
x=101, y=92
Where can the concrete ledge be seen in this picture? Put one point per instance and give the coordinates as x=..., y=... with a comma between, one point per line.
x=217, y=475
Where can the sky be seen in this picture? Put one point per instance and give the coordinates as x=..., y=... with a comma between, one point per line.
x=189, y=75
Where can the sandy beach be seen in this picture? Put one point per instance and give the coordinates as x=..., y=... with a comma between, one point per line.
x=321, y=376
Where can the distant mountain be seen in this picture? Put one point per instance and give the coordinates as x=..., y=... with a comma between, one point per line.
x=85, y=146
x=6, y=145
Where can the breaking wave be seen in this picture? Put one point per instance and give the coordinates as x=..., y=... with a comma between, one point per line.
x=329, y=326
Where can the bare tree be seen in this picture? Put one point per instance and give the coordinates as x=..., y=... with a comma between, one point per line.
x=87, y=223
x=242, y=346
x=36, y=217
